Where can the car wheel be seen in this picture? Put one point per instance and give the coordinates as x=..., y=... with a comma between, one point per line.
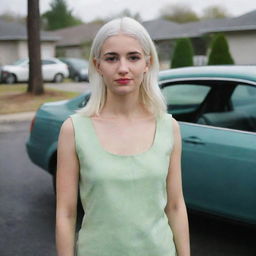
x=58, y=78
x=76, y=78
x=10, y=79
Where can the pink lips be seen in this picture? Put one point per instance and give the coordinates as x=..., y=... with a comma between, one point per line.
x=123, y=81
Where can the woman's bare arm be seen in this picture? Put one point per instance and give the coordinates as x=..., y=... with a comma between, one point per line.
x=67, y=190
x=176, y=209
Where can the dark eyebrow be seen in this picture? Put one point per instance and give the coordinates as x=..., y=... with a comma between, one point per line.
x=130, y=53
x=110, y=53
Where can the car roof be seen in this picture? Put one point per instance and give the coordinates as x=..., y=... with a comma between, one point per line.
x=246, y=73
x=72, y=59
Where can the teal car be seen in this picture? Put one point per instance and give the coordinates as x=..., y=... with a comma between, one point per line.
x=216, y=110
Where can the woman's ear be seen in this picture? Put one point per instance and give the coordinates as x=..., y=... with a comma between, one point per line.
x=150, y=60
x=97, y=65
x=148, y=63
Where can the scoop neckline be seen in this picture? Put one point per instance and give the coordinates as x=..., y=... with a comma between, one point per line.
x=130, y=155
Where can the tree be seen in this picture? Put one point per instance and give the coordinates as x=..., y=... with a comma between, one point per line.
x=124, y=13
x=179, y=13
x=219, y=53
x=183, y=53
x=59, y=16
x=35, y=84
x=215, y=12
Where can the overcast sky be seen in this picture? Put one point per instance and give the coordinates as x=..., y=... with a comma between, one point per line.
x=88, y=10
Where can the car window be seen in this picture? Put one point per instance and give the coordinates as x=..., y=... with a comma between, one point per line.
x=47, y=62
x=242, y=115
x=79, y=64
x=243, y=95
x=184, y=98
x=21, y=62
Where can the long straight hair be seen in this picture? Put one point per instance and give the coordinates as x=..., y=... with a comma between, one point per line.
x=150, y=92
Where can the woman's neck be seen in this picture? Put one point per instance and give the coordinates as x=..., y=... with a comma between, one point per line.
x=126, y=106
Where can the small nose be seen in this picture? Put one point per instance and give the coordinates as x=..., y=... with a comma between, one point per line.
x=123, y=67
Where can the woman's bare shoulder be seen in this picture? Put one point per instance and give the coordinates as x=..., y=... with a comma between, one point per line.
x=175, y=124
x=175, y=127
x=176, y=132
x=67, y=128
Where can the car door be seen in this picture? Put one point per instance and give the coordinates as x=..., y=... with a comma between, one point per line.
x=218, y=163
x=48, y=69
x=23, y=71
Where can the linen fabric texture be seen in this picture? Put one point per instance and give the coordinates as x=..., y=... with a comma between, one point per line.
x=123, y=196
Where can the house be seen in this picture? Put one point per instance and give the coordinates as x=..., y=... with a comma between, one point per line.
x=239, y=31
x=241, y=35
x=76, y=41
x=13, y=42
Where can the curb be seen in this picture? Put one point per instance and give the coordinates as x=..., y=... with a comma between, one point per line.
x=18, y=117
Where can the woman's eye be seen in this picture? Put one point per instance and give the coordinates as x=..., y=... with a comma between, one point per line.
x=134, y=58
x=111, y=59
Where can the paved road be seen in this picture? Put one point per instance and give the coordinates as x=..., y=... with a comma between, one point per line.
x=27, y=209
x=27, y=204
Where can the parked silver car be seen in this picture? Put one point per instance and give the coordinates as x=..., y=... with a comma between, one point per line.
x=52, y=70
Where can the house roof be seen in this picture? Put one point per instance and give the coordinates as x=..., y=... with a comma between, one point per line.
x=86, y=32
x=240, y=23
x=78, y=34
x=17, y=31
x=196, y=29
x=160, y=29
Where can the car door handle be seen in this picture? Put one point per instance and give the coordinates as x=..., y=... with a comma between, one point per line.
x=193, y=140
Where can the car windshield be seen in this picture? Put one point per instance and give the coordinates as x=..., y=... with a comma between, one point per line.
x=19, y=62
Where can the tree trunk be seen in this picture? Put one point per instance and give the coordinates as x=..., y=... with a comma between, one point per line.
x=35, y=84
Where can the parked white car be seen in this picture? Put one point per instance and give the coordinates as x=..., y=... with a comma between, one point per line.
x=52, y=70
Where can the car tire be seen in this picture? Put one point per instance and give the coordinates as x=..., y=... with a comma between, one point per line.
x=58, y=78
x=10, y=79
x=76, y=78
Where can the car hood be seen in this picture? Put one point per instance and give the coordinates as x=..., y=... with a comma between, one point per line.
x=10, y=68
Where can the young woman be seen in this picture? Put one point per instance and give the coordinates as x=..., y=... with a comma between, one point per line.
x=123, y=151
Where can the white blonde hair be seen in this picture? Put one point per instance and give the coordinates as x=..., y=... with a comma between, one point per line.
x=150, y=92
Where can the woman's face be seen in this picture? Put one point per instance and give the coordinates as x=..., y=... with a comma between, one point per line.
x=122, y=64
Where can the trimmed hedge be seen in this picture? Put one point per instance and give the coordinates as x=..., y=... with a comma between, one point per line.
x=183, y=53
x=220, y=53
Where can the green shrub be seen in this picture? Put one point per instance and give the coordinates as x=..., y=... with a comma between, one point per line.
x=183, y=53
x=219, y=53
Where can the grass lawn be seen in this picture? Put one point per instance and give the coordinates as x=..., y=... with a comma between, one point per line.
x=14, y=98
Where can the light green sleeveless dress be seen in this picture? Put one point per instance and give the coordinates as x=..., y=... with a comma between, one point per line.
x=123, y=196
